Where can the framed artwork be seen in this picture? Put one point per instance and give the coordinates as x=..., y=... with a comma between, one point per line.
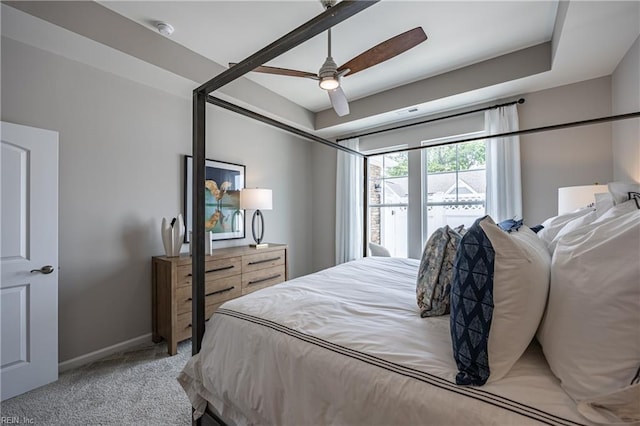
x=223, y=182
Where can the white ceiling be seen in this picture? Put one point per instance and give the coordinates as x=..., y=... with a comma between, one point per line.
x=459, y=34
x=587, y=40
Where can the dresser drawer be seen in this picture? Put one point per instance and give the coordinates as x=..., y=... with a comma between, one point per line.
x=216, y=291
x=252, y=281
x=254, y=262
x=183, y=323
x=213, y=269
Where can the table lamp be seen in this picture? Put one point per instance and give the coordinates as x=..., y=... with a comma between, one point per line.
x=256, y=199
x=571, y=198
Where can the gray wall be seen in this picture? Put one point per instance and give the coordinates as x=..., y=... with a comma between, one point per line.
x=549, y=160
x=121, y=158
x=575, y=156
x=625, y=93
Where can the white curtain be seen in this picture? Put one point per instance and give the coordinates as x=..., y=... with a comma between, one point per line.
x=348, y=204
x=504, y=187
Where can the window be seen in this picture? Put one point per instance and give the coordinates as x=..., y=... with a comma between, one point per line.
x=454, y=183
x=412, y=193
x=389, y=201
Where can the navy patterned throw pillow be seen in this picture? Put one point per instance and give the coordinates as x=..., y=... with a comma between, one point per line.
x=472, y=304
x=498, y=295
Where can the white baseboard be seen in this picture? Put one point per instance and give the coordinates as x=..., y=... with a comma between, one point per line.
x=101, y=353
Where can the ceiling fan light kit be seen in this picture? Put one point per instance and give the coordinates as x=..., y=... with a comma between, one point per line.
x=329, y=83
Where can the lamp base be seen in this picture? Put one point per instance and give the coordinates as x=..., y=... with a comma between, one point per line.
x=259, y=246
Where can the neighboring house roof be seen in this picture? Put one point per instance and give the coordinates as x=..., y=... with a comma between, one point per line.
x=443, y=182
x=470, y=182
x=398, y=190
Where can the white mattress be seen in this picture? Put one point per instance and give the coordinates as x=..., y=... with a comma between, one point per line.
x=347, y=346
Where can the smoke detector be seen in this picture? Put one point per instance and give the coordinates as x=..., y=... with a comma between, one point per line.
x=164, y=28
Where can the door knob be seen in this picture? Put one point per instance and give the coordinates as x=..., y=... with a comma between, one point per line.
x=47, y=269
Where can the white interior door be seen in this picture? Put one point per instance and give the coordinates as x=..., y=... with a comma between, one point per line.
x=29, y=259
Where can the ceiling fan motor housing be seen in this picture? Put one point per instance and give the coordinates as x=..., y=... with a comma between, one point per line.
x=328, y=69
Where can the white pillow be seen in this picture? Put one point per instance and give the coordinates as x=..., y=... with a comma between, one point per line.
x=620, y=191
x=554, y=224
x=498, y=295
x=590, y=333
x=572, y=226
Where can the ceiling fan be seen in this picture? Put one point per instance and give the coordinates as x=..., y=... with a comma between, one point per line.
x=330, y=74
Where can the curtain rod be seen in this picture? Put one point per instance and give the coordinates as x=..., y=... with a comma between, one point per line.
x=270, y=121
x=519, y=101
x=517, y=132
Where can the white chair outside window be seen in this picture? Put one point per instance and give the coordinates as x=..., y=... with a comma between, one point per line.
x=378, y=250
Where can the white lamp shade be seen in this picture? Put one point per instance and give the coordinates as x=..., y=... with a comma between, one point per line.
x=256, y=199
x=571, y=198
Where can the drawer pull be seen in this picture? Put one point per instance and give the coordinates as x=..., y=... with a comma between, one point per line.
x=257, y=262
x=224, y=268
x=217, y=292
x=263, y=279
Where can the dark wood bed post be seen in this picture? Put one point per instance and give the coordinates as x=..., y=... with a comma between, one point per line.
x=197, y=237
x=365, y=205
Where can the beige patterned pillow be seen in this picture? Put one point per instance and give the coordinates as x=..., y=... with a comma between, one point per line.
x=436, y=271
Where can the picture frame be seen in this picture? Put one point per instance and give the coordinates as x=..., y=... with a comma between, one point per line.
x=223, y=182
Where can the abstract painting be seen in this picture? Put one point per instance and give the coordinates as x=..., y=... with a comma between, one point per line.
x=223, y=182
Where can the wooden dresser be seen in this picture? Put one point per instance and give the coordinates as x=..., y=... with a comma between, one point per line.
x=229, y=273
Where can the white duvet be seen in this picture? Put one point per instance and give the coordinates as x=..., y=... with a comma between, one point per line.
x=347, y=346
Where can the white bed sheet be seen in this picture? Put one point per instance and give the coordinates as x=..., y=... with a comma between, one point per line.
x=347, y=346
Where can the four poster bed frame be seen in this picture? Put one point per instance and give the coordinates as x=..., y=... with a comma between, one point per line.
x=201, y=96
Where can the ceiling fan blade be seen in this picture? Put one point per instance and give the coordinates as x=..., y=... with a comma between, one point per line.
x=385, y=50
x=281, y=71
x=339, y=101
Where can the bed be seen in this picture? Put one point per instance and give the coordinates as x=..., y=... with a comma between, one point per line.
x=347, y=346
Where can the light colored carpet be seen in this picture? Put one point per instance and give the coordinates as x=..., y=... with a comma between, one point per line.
x=137, y=387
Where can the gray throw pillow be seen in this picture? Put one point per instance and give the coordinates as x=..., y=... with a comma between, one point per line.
x=436, y=271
